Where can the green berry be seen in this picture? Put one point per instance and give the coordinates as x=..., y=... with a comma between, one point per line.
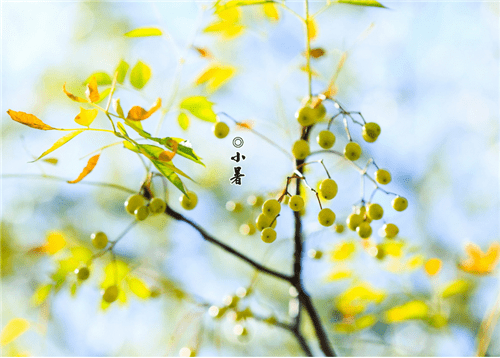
x=233, y=206
x=264, y=221
x=371, y=131
x=339, y=228
x=157, y=206
x=296, y=203
x=307, y=116
x=353, y=221
x=300, y=149
x=315, y=254
x=247, y=229
x=364, y=230
x=326, y=217
x=375, y=212
x=99, y=240
x=268, y=235
x=141, y=213
x=390, y=230
x=133, y=202
x=328, y=189
x=220, y=129
x=110, y=294
x=382, y=176
x=82, y=273
x=380, y=252
x=271, y=208
x=255, y=200
x=326, y=139
x=352, y=151
x=399, y=203
x=189, y=201
x=155, y=292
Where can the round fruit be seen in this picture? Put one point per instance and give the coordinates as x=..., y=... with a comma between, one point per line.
x=352, y=151
x=233, y=206
x=133, y=202
x=353, y=221
x=399, y=203
x=268, y=235
x=157, y=206
x=247, y=229
x=382, y=176
x=364, y=230
x=328, y=189
x=255, y=200
x=380, y=252
x=326, y=139
x=271, y=208
x=390, y=230
x=371, y=131
x=141, y=213
x=110, y=294
x=315, y=254
x=82, y=273
x=300, y=149
x=220, y=129
x=307, y=116
x=155, y=292
x=99, y=240
x=296, y=203
x=339, y=228
x=326, y=217
x=264, y=221
x=375, y=211
x=188, y=202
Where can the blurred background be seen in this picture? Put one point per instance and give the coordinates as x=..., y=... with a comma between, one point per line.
x=427, y=73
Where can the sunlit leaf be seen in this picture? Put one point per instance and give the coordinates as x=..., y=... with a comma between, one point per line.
x=72, y=96
x=144, y=32
x=140, y=75
x=86, y=116
x=232, y=4
x=88, y=168
x=114, y=273
x=103, y=95
x=365, y=321
x=13, y=329
x=393, y=248
x=60, y=142
x=271, y=11
x=52, y=161
x=170, y=174
x=227, y=29
x=118, y=108
x=28, y=120
x=137, y=113
x=167, y=156
x=121, y=128
x=456, y=287
x=480, y=263
x=355, y=299
x=55, y=242
x=41, y=294
x=312, y=28
x=122, y=71
x=205, y=53
x=138, y=287
x=306, y=70
x=410, y=310
x=415, y=262
x=317, y=52
x=343, y=251
x=361, y=3
x=92, y=92
x=339, y=275
x=215, y=76
x=199, y=107
x=183, y=120
x=102, y=79
x=433, y=266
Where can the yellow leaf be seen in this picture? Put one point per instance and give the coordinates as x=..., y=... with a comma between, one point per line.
x=28, y=120
x=216, y=75
x=60, y=142
x=365, y=321
x=355, y=299
x=140, y=75
x=122, y=297
x=81, y=254
x=92, y=93
x=144, y=32
x=52, y=161
x=41, y=294
x=72, y=96
x=183, y=120
x=433, y=266
x=312, y=28
x=305, y=69
x=339, y=275
x=456, y=287
x=415, y=262
x=226, y=28
x=232, y=14
x=13, y=329
x=114, y=273
x=409, y=310
x=138, y=113
x=118, y=108
x=317, y=52
x=393, y=248
x=88, y=168
x=86, y=116
x=138, y=287
x=55, y=242
x=480, y=263
x=271, y=11
x=343, y=251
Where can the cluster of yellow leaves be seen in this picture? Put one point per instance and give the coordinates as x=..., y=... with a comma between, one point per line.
x=356, y=299
x=410, y=310
x=228, y=23
x=215, y=76
x=480, y=263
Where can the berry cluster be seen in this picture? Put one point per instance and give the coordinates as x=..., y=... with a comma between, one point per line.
x=136, y=205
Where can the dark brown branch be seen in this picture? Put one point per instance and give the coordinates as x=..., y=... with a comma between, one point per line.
x=177, y=216
x=302, y=342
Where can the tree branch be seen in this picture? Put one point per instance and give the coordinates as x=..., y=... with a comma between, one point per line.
x=177, y=216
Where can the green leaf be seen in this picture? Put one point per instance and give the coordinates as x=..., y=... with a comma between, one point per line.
x=456, y=287
x=140, y=75
x=122, y=70
x=102, y=79
x=103, y=95
x=153, y=152
x=183, y=120
x=169, y=173
x=236, y=3
x=144, y=32
x=121, y=128
x=41, y=294
x=362, y=3
x=59, y=143
x=200, y=107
